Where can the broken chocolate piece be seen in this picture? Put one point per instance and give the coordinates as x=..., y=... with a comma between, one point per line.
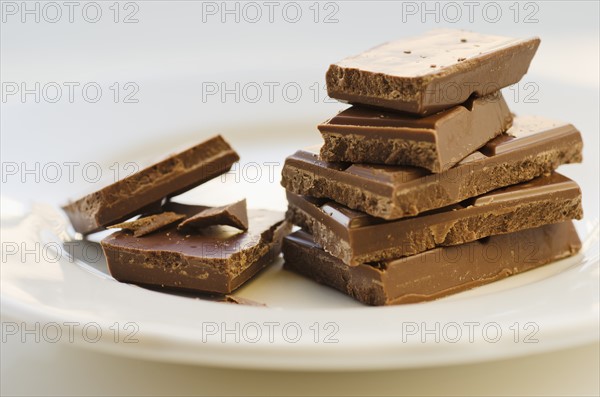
x=214, y=260
x=238, y=300
x=436, y=273
x=148, y=224
x=533, y=146
x=428, y=73
x=235, y=215
x=356, y=237
x=132, y=195
x=436, y=142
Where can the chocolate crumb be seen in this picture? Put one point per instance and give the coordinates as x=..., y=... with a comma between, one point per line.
x=463, y=40
x=237, y=300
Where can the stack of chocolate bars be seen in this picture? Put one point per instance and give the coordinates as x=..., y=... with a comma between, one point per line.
x=428, y=185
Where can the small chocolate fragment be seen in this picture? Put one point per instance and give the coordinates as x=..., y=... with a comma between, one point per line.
x=238, y=300
x=356, y=237
x=533, y=146
x=441, y=71
x=235, y=215
x=436, y=273
x=148, y=224
x=436, y=142
x=214, y=260
x=132, y=195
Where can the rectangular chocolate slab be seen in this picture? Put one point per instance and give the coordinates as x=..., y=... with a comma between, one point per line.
x=133, y=195
x=436, y=142
x=436, y=273
x=531, y=147
x=356, y=237
x=217, y=259
x=431, y=72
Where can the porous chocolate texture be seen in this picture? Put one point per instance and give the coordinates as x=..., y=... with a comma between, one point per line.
x=436, y=273
x=533, y=146
x=431, y=72
x=357, y=238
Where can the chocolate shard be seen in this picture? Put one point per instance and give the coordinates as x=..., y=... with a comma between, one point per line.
x=238, y=300
x=148, y=224
x=132, y=195
x=235, y=215
x=436, y=142
x=431, y=72
x=533, y=146
x=435, y=273
x=356, y=237
x=215, y=260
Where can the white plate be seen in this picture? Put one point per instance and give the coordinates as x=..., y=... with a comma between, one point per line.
x=305, y=325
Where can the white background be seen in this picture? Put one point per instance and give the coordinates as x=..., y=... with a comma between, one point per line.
x=171, y=53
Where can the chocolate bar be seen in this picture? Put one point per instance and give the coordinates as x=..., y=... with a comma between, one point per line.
x=217, y=259
x=531, y=147
x=143, y=191
x=436, y=142
x=435, y=273
x=428, y=73
x=356, y=237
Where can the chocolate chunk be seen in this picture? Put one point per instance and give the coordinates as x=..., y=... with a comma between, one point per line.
x=214, y=260
x=235, y=215
x=435, y=273
x=533, y=146
x=436, y=142
x=132, y=195
x=356, y=237
x=387, y=77
x=148, y=224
